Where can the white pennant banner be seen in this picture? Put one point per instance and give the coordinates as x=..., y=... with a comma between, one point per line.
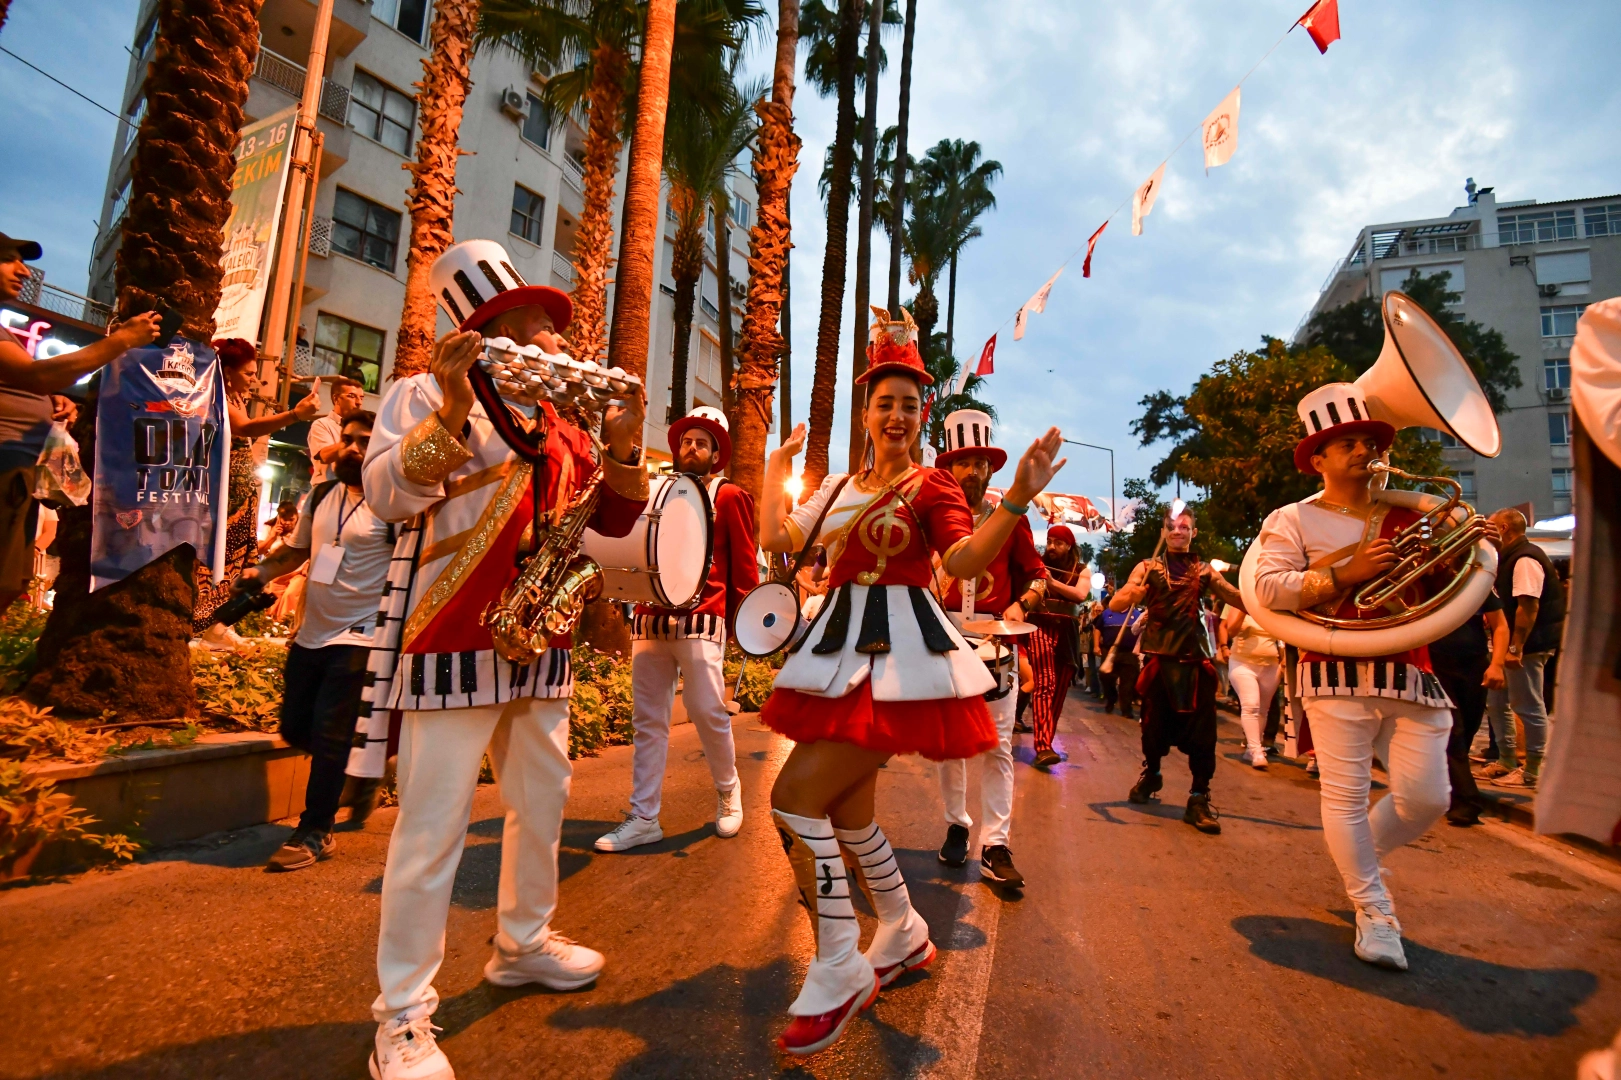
x=1221, y=132
x=1142, y=203
x=1035, y=305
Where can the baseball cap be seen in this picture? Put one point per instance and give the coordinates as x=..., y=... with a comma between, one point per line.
x=27, y=250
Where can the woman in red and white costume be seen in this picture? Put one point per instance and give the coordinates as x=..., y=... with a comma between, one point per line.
x=882, y=671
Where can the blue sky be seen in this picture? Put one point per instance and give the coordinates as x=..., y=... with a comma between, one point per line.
x=1079, y=102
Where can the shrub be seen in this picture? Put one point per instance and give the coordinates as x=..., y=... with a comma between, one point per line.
x=600, y=710
x=33, y=813
x=20, y=628
x=244, y=686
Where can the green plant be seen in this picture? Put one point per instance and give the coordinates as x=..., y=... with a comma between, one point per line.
x=28, y=732
x=259, y=624
x=20, y=628
x=33, y=813
x=600, y=710
x=757, y=679
x=244, y=686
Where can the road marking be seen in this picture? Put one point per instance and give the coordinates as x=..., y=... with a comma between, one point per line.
x=957, y=1013
x=1554, y=852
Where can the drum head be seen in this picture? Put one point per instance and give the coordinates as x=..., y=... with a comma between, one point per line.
x=766, y=619
x=681, y=545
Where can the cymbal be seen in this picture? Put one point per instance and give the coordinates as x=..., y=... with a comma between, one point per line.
x=997, y=628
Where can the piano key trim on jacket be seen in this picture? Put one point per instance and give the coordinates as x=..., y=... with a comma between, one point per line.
x=694, y=624
x=1370, y=678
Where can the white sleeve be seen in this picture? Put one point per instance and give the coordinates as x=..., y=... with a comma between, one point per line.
x=389, y=494
x=1528, y=578
x=306, y=522
x=1280, y=569
x=320, y=437
x=1595, y=375
x=803, y=517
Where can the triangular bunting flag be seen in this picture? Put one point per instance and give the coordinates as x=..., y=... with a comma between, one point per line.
x=987, y=358
x=1035, y=305
x=1221, y=132
x=1091, y=242
x=1142, y=203
x=1322, y=22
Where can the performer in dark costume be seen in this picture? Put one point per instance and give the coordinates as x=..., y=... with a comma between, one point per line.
x=1054, y=647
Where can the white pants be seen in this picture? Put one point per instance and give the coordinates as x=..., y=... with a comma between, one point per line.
x=654, y=666
x=440, y=753
x=1255, y=683
x=995, y=781
x=1411, y=740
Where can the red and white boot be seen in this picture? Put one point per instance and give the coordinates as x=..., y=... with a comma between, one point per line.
x=901, y=943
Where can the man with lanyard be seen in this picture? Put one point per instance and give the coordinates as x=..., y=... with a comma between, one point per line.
x=1013, y=582
x=670, y=644
x=1178, y=680
x=326, y=662
x=1534, y=605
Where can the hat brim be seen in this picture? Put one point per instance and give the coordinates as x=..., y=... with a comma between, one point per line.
x=1314, y=442
x=895, y=367
x=997, y=456
x=723, y=441
x=27, y=250
x=555, y=301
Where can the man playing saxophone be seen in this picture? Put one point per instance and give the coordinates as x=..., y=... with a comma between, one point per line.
x=441, y=462
x=1313, y=555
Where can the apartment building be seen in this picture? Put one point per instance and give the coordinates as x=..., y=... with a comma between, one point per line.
x=520, y=183
x=1526, y=269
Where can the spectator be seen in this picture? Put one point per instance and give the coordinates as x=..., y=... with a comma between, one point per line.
x=1087, y=647
x=237, y=359
x=1254, y=665
x=348, y=398
x=282, y=525
x=326, y=662
x=1534, y=604
x=1469, y=664
x=29, y=403
x=1120, y=681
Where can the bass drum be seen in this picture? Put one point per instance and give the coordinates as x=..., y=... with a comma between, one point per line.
x=767, y=619
x=664, y=559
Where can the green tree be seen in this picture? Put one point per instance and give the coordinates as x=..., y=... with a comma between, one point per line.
x=952, y=172
x=946, y=369
x=1355, y=333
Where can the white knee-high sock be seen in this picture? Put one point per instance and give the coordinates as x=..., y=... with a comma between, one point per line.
x=839, y=971
x=901, y=931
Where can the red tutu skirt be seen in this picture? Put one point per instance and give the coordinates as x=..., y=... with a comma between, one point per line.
x=941, y=729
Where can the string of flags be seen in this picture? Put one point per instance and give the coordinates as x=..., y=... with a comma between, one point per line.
x=1219, y=136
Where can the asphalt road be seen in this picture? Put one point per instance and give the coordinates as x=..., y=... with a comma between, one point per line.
x=1140, y=949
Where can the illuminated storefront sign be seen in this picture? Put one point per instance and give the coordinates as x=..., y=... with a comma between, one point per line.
x=44, y=338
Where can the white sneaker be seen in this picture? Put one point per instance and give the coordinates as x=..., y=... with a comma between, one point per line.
x=559, y=964
x=1378, y=938
x=632, y=832
x=405, y=1049
x=220, y=638
x=729, y=811
x=1256, y=757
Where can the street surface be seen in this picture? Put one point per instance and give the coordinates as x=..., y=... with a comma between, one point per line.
x=1140, y=949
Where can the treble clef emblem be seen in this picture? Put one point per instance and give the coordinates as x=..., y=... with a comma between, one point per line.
x=885, y=535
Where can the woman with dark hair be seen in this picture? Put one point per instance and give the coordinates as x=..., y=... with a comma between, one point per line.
x=881, y=671
x=237, y=359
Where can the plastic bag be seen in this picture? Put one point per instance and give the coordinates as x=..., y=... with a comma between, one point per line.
x=60, y=478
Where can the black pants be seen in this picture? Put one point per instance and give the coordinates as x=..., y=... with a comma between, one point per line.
x=1194, y=733
x=1120, y=685
x=1462, y=685
x=1274, y=718
x=318, y=710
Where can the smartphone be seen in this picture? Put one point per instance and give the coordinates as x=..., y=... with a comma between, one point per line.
x=169, y=326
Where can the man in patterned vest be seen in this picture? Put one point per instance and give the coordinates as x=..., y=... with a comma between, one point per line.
x=671, y=643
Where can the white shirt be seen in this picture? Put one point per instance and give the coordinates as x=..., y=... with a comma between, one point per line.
x=324, y=432
x=1528, y=577
x=344, y=612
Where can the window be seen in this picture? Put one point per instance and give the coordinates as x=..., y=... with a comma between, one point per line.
x=537, y=123
x=409, y=17
x=137, y=113
x=120, y=204
x=143, y=40
x=1603, y=220
x=1536, y=227
x=741, y=212
x=1562, y=483
x=709, y=226
x=361, y=229
x=1556, y=374
x=708, y=362
x=528, y=210
x=1558, y=429
x=381, y=113
x=1466, y=481
x=1560, y=321
x=1564, y=268
x=348, y=349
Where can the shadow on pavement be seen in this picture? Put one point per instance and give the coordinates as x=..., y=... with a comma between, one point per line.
x=1492, y=999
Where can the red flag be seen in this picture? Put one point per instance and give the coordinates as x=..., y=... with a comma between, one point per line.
x=1322, y=22
x=987, y=358
x=1091, y=242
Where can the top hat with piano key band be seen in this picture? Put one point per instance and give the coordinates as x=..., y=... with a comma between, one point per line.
x=968, y=432
x=474, y=281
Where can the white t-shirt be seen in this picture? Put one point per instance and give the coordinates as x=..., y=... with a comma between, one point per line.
x=344, y=612
x=324, y=431
x=1528, y=578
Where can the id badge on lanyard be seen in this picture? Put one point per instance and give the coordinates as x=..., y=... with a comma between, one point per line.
x=324, y=567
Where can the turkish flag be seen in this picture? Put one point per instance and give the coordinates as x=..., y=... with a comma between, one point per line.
x=1322, y=22
x=1091, y=242
x=987, y=358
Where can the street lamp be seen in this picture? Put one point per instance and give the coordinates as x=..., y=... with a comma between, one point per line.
x=1114, y=516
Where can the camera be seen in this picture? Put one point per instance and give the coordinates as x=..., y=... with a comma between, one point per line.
x=244, y=604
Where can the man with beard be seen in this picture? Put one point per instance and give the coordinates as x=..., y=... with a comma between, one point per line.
x=1053, y=647
x=690, y=645
x=1178, y=680
x=326, y=662
x=1013, y=582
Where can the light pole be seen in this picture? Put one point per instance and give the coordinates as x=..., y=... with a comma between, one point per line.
x=1114, y=518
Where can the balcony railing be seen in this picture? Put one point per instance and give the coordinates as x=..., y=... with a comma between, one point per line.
x=321, y=237
x=562, y=268
x=574, y=174
x=709, y=309
x=287, y=76
x=73, y=305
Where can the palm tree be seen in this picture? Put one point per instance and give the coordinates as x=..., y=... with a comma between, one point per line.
x=869, y=151
x=776, y=157
x=900, y=163
x=432, y=199
x=952, y=171
x=942, y=403
x=927, y=240
x=125, y=647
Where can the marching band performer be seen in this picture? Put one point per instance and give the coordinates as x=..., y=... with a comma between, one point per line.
x=438, y=460
x=1054, y=645
x=1013, y=582
x=690, y=644
x=1178, y=681
x=1311, y=556
x=881, y=671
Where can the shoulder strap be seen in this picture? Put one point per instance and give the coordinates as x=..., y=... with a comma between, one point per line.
x=322, y=490
x=816, y=529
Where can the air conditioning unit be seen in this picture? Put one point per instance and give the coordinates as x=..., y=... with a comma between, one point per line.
x=1557, y=394
x=1547, y=290
x=514, y=103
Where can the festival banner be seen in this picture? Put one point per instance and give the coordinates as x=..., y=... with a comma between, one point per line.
x=1322, y=22
x=1091, y=243
x=1035, y=305
x=162, y=442
x=1142, y=203
x=1221, y=132
x=257, y=188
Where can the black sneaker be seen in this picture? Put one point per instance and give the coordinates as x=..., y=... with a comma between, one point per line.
x=1145, y=787
x=367, y=792
x=1464, y=816
x=305, y=847
x=1046, y=759
x=954, y=852
x=1201, y=815
x=996, y=864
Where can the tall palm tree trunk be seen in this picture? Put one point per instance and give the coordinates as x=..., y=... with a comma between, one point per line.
x=775, y=159
x=687, y=267
x=825, y=382
x=125, y=647
x=432, y=199
x=785, y=425
x=723, y=283
x=633, y=283
x=593, y=242
x=869, y=155
x=897, y=189
x=951, y=307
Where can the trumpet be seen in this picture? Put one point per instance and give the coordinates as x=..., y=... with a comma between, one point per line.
x=526, y=375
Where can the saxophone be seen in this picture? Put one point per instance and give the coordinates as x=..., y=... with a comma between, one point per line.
x=552, y=590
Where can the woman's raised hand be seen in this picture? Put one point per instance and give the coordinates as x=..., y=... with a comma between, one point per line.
x=1037, y=468
x=791, y=448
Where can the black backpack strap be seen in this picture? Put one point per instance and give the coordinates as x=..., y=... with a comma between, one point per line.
x=321, y=491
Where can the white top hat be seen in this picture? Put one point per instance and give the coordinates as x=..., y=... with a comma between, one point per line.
x=474, y=281
x=712, y=420
x=968, y=431
x=1338, y=408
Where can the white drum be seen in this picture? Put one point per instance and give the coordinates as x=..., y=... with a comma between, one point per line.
x=664, y=559
x=767, y=619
